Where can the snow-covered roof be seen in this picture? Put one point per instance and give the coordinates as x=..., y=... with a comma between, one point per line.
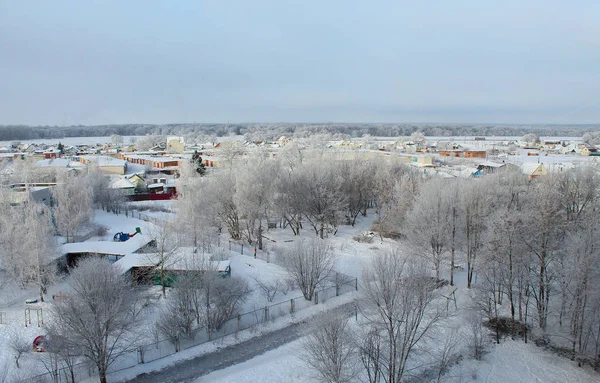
x=105, y=160
x=107, y=247
x=122, y=183
x=491, y=164
x=54, y=162
x=529, y=167
x=152, y=158
x=182, y=258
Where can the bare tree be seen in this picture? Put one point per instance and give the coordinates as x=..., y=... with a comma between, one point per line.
x=370, y=351
x=177, y=316
x=167, y=238
x=98, y=316
x=309, y=263
x=222, y=189
x=578, y=189
x=19, y=346
x=224, y=298
x=583, y=273
x=475, y=206
x=477, y=333
x=330, y=351
x=543, y=236
x=400, y=303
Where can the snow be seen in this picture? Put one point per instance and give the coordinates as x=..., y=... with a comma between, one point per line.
x=514, y=361
x=180, y=259
x=107, y=247
x=122, y=183
x=105, y=160
x=54, y=162
x=279, y=365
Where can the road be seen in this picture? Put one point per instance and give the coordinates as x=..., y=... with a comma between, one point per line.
x=191, y=369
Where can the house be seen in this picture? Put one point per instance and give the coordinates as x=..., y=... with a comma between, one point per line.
x=105, y=164
x=158, y=162
x=124, y=185
x=475, y=154
x=141, y=268
x=489, y=167
x=588, y=150
x=61, y=164
x=175, y=144
x=421, y=160
x=138, y=181
x=51, y=154
x=533, y=170
x=69, y=253
x=451, y=153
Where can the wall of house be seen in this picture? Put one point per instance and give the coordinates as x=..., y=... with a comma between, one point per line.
x=112, y=169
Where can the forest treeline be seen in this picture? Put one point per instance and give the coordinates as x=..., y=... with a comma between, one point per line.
x=256, y=131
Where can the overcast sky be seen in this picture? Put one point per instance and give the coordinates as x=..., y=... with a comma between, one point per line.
x=108, y=62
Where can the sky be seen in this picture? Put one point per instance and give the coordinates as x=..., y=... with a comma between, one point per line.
x=111, y=62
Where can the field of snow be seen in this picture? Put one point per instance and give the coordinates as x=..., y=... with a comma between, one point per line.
x=509, y=362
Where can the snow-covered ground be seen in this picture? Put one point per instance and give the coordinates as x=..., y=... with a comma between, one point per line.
x=279, y=365
x=509, y=362
x=517, y=362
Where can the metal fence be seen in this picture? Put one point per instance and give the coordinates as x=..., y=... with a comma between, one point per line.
x=339, y=285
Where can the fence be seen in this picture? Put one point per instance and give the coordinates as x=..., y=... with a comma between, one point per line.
x=339, y=285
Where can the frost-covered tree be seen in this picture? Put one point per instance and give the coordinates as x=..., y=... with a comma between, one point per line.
x=116, y=140
x=28, y=245
x=429, y=223
x=72, y=205
x=99, y=314
x=330, y=351
x=222, y=189
x=167, y=238
x=254, y=197
x=531, y=138
x=323, y=197
x=148, y=141
x=475, y=206
x=400, y=308
x=309, y=263
x=543, y=235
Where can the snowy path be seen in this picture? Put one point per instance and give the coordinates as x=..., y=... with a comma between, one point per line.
x=191, y=369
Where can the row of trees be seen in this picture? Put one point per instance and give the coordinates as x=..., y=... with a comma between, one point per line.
x=528, y=246
x=274, y=131
x=295, y=193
